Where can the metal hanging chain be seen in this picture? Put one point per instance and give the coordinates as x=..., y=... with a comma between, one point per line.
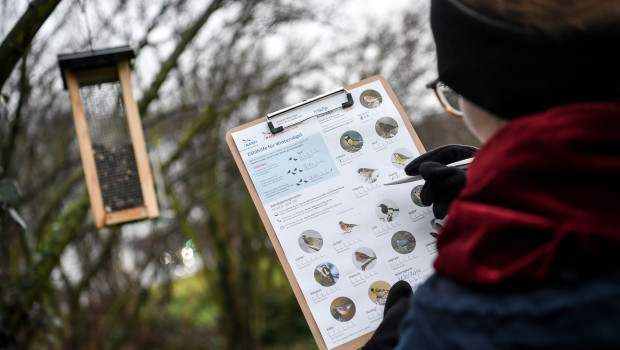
x=85, y=18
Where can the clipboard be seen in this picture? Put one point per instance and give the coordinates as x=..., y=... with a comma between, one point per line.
x=281, y=120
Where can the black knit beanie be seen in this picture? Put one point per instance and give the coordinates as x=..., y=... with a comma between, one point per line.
x=512, y=71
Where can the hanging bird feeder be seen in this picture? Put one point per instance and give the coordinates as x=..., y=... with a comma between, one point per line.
x=116, y=167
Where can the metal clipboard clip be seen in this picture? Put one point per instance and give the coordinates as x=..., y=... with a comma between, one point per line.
x=331, y=103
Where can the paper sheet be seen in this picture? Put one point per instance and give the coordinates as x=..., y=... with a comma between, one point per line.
x=347, y=237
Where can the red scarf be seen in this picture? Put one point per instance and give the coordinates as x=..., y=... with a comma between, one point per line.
x=541, y=204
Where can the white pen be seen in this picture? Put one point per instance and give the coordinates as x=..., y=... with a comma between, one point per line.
x=461, y=164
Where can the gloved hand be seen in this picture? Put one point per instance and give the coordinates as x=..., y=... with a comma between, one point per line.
x=443, y=183
x=396, y=307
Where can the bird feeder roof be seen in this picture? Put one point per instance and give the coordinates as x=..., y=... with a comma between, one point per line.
x=93, y=59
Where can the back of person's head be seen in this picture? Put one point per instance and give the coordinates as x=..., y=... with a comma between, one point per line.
x=518, y=57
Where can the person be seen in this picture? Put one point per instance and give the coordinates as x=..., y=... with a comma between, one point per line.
x=529, y=254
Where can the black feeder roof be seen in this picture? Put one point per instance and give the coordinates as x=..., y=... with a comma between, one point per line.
x=93, y=59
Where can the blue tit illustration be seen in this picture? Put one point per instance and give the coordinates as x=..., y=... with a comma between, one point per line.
x=401, y=158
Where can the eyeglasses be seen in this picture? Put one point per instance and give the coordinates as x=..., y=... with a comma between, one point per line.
x=450, y=99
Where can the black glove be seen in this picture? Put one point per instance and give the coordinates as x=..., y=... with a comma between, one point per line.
x=443, y=183
x=396, y=307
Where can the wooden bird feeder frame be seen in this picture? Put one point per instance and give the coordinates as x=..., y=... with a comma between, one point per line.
x=109, y=132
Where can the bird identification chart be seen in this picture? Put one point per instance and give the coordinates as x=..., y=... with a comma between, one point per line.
x=343, y=236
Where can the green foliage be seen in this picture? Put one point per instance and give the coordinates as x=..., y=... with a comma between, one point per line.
x=286, y=323
x=189, y=309
x=190, y=304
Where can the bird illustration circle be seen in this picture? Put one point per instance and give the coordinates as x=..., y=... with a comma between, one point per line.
x=403, y=242
x=378, y=292
x=310, y=241
x=386, y=127
x=351, y=141
x=368, y=173
x=401, y=157
x=415, y=196
x=364, y=258
x=342, y=309
x=371, y=99
x=326, y=274
x=387, y=210
x=347, y=226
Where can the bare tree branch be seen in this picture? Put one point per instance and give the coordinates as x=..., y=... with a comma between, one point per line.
x=166, y=67
x=24, y=93
x=19, y=38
